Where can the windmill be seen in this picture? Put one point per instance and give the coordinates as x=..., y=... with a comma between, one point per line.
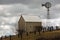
x=48, y=6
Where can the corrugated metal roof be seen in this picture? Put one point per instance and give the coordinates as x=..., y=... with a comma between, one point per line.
x=31, y=18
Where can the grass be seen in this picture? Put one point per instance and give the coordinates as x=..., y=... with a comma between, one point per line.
x=32, y=36
x=51, y=34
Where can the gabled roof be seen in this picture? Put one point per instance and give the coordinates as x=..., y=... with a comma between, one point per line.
x=31, y=18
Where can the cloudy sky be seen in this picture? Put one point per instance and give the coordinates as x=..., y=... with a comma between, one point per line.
x=10, y=11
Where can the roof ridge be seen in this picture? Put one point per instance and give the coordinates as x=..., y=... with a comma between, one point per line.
x=31, y=18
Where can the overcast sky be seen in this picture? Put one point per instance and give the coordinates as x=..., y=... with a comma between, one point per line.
x=10, y=11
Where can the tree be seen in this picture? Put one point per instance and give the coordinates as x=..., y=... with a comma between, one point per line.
x=52, y=28
x=27, y=33
x=34, y=31
x=1, y=38
x=38, y=28
x=20, y=32
x=44, y=29
x=57, y=27
x=49, y=29
x=10, y=37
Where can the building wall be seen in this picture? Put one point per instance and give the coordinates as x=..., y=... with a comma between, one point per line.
x=28, y=26
x=21, y=23
x=31, y=25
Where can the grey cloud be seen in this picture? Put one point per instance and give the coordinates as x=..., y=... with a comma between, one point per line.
x=10, y=22
x=18, y=9
x=13, y=1
x=28, y=1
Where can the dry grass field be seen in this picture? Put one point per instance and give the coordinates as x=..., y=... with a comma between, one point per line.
x=49, y=35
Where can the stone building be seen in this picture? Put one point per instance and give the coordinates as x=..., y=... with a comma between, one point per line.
x=29, y=22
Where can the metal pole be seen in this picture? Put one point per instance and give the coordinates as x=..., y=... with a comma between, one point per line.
x=48, y=15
